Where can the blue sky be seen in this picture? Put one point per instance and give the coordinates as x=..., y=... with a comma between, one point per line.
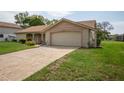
x=99, y=16
x=116, y=18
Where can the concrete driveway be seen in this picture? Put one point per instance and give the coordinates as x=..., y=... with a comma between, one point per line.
x=19, y=65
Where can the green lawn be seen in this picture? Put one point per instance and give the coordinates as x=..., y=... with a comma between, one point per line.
x=105, y=63
x=7, y=47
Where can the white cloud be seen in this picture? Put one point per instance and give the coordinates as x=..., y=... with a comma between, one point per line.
x=7, y=16
x=59, y=14
x=118, y=27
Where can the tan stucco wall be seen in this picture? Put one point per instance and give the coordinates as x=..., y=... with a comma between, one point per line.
x=21, y=36
x=85, y=37
x=66, y=26
x=92, y=38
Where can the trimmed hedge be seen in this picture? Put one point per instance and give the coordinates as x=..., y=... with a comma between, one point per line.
x=30, y=43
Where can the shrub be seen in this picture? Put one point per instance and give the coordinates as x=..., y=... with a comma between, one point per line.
x=14, y=40
x=22, y=41
x=29, y=39
x=30, y=43
x=99, y=35
x=98, y=42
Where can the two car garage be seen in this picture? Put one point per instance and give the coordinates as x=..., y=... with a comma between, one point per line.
x=66, y=38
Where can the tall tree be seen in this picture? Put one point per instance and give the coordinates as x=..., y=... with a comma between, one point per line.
x=24, y=20
x=20, y=18
x=34, y=20
x=105, y=27
x=103, y=31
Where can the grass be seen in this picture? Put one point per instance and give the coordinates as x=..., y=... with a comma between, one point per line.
x=8, y=47
x=105, y=63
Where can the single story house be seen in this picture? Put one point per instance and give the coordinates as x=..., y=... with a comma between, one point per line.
x=8, y=30
x=63, y=33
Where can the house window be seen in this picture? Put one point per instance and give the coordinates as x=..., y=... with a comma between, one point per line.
x=1, y=35
x=29, y=37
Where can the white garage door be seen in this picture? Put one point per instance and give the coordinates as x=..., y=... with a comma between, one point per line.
x=66, y=38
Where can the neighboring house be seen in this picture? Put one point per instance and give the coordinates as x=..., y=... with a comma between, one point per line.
x=117, y=37
x=120, y=37
x=8, y=30
x=64, y=33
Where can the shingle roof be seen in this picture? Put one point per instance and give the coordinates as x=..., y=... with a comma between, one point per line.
x=91, y=23
x=33, y=29
x=9, y=25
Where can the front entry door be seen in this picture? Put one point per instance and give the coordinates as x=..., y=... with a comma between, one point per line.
x=37, y=38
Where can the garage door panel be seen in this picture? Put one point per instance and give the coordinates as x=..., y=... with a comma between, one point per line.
x=66, y=38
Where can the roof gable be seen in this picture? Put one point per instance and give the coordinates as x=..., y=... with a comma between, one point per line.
x=91, y=23
x=75, y=23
